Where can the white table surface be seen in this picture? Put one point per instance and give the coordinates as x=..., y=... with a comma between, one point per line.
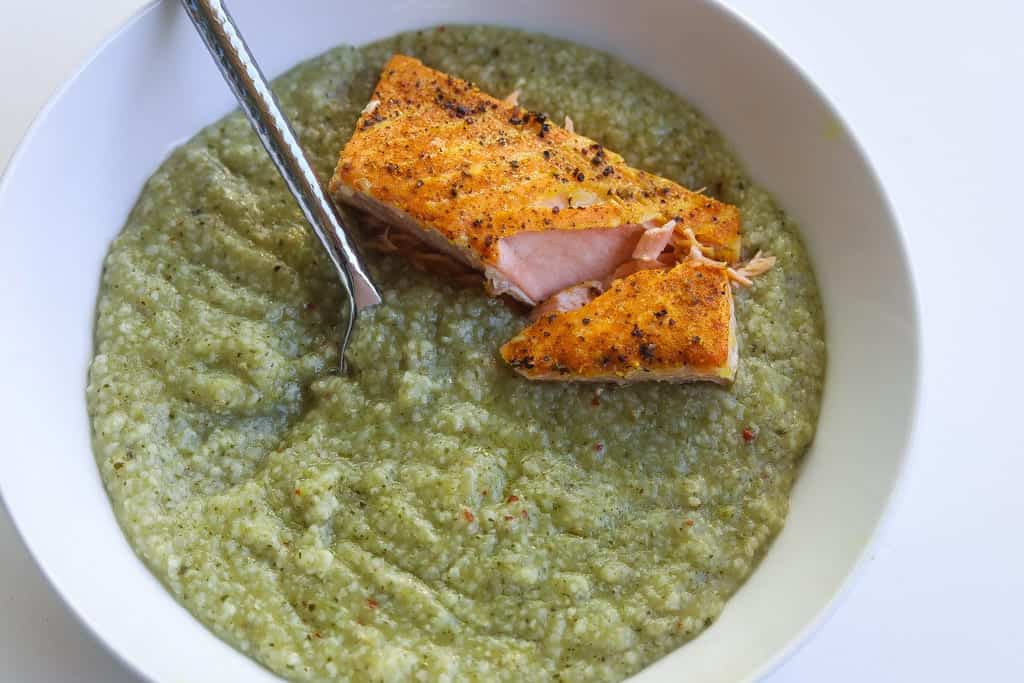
x=935, y=92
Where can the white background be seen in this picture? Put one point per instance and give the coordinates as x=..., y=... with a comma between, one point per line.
x=935, y=92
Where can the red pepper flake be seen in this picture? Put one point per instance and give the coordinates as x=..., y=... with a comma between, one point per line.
x=298, y=492
x=511, y=499
x=749, y=434
x=598, y=446
x=310, y=306
x=509, y=518
x=689, y=522
x=468, y=515
x=596, y=401
x=372, y=604
x=316, y=634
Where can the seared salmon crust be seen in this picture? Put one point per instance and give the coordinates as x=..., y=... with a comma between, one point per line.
x=435, y=155
x=540, y=209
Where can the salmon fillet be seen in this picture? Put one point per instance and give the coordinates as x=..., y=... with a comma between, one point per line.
x=535, y=207
x=673, y=324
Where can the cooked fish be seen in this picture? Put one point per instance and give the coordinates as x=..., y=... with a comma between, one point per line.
x=672, y=324
x=535, y=207
x=568, y=299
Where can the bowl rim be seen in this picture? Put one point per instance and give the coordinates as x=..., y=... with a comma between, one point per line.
x=911, y=434
x=5, y=175
x=898, y=487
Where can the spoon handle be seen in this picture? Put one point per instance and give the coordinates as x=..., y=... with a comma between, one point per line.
x=240, y=70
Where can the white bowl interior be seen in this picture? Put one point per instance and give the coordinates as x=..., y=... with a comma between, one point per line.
x=76, y=176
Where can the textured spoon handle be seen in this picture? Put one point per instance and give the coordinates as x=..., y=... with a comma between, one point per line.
x=225, y=43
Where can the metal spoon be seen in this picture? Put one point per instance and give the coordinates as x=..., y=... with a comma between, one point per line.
x=232, y=55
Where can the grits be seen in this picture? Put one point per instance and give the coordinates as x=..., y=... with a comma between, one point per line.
x=434, y=516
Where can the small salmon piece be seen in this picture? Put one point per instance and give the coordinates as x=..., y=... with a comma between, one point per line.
x=653, y=242
x=671, y=324
x=568, y=299
x=535, y=207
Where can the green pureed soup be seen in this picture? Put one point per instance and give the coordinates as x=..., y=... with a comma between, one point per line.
x=433, y=516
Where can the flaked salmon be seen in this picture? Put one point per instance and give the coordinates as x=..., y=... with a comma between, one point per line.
x=670, y=324
x=630, y=275
x=535, y=207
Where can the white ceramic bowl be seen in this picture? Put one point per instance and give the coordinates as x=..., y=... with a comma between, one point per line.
x=75, y=177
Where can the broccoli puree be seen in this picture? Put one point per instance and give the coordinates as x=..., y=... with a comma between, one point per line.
x=434, y=516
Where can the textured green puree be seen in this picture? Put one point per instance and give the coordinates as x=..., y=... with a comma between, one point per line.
x=434, y=516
